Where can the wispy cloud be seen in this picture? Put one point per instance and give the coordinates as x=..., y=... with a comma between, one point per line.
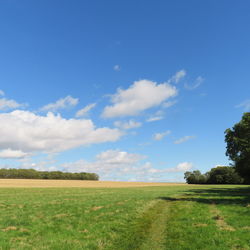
x=155, y=118
x=6, y=104
x=84, y=111
x=184, y=139
x=1, y=93
x=159, y=115
x=160, y=136
x=127, y=125
x=245, y=105
x=169, y=104
x=117, y=67
x=198, y=81
x=62, y=103
x=178, y=76
x=181, y=167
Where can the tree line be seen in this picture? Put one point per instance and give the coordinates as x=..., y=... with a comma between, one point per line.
x=238, y=151
x=13, y=173
x=218, y=175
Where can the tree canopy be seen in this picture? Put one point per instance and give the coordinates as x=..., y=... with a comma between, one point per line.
x=13, y=173
x=218, y=175
x=238, y=146
x=195, y=177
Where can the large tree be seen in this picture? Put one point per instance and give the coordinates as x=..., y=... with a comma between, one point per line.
x=223, y=175
x=238, y=146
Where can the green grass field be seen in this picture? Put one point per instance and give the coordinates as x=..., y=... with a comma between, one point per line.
x=171, y=217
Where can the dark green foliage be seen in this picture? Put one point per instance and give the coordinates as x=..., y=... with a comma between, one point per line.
x=14, y=173
x=195, y=177
x=224, y=175
x=218, y=175
x=238, y=146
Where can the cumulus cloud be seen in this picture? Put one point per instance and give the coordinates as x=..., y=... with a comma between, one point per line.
x=198, y=81
x=111, y=165
x=106, y=162
x=121, y=165
x=127, y=125
x=178, y=76
x=141, y=95
x=245, y=105
x=12, y=154
x=118, y=157
x=160, y=136
x=117, y=68
x=184, y=139
x=62, y=103
x=28, y=132
x=84, y=111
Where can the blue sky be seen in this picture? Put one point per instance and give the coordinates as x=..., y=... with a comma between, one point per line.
x=131, y=90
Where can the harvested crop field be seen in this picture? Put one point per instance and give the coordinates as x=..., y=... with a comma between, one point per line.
x=78, y=183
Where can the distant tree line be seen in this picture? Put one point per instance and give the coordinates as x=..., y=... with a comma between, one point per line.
x=13, y=173
x=218, y=175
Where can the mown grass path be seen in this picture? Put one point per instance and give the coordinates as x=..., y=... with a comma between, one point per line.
x=177, y=217
x=148, y=231
x=200, y=218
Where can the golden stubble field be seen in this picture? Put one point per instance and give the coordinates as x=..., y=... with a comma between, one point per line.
x=30, y=183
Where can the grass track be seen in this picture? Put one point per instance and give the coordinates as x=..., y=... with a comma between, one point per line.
x=170, y=217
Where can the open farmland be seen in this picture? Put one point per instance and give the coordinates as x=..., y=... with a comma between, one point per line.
x=78, y=183
x=153, y=217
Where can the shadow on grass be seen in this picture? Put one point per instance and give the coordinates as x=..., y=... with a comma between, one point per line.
x=225, y=196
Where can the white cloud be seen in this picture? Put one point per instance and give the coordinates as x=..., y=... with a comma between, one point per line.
x=141, y=95
x=155, y=118
x=159, y=115
x=2, y=93
x=85, y=110
x=169, y=104
x=12, y=154
x=121, y=165
x=181, y=167
x=127, y=125
x=245, y=105
x=184, y=139
x=178, y=76
x=118, y=157
x=160, y=136
x=28, y=132
x=62, y=103
x=198, y=81
x=9, y=104
x=117, y=68
x=184, y=166
x=111, y=165
x=107, y=162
